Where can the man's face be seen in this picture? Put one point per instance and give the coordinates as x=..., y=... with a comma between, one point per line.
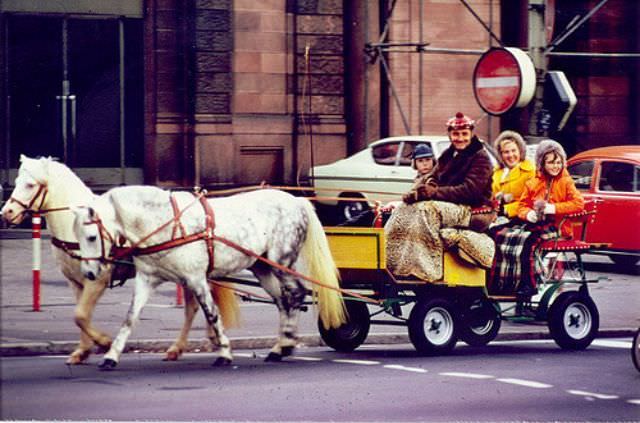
x=460, y=138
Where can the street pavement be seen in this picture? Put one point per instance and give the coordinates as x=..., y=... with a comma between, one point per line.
x=52, y=330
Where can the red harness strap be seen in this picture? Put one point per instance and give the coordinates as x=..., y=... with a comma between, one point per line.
x=210, y=221
x=206, y=235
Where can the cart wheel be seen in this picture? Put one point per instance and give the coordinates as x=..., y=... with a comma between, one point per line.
x=432, y=326
x=479, y=323
x=635, y=350
x=573, y=320
x=351, y=334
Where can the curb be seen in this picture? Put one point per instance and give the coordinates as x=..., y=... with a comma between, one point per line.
x=160, y=346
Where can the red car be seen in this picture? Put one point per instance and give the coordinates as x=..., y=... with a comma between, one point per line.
x=609, y=177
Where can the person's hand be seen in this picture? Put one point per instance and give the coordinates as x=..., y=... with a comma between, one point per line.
x=426, y=191
x=549, y=208
x=532, y=216
x=507, y=198
x=410, y=197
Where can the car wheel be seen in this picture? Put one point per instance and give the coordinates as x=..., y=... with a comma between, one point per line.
x=635, y=350
x=433, y=327
x=351, y=210
x=352, y=333
x=573, y=320
x=624, y=261
x=479, y=323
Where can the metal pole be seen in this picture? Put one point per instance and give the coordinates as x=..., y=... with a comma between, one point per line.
x=537, y=43
x=36, y=227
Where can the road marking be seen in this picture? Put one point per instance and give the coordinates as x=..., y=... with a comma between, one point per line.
x=613, y=344
x=634, y=401
x=307, y=358
x=467, y=375
x=527, y=383
x=592, y=394
x=361, y=362
x=407, y=369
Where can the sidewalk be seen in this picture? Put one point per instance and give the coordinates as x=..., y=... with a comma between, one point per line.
x=52, y=330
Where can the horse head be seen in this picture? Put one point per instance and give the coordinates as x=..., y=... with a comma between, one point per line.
x=96, y=230
x=30, y=192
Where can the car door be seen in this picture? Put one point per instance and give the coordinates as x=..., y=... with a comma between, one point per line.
x=612, y=187
x=617, y=194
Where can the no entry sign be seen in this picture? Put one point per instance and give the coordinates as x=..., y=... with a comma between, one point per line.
x=504, y=78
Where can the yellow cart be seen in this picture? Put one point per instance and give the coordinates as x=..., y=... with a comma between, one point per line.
x=458, y=306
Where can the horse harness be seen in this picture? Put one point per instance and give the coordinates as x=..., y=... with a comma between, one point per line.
x=119, y=251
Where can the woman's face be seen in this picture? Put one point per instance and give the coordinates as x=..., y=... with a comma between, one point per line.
x=552, y=164
x=424, y=165
x=510, y=153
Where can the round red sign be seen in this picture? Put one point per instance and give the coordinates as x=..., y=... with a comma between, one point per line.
x=504, y=78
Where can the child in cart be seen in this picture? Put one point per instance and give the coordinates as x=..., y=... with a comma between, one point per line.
x=549, y=196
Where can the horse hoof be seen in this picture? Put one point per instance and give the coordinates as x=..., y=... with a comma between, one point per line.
x=108, y=364
x=101, y=349
x=287, y=351
x=78, y=357
x=273, y=357
x=171, y=356
x=221, y=362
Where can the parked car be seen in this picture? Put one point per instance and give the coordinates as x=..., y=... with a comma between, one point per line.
x=381, y=172
x=609, y=177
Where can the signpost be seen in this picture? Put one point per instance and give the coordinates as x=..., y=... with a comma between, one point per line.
x=503, y=78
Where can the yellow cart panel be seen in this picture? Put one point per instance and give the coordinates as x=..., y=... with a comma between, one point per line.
x=357, y=248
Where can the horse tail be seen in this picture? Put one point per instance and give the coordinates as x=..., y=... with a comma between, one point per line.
x=320, y=265
x=225, y=298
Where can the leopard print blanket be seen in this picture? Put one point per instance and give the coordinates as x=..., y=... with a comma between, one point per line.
x=418, y=234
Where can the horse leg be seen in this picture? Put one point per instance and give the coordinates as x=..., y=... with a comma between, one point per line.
x=143, y=288
x=180, y=344
x=86, y=302
x=288, y=294
x=216, y=331
x=83, y=350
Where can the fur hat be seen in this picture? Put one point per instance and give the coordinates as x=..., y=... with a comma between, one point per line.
x=510, y=135
x=548, y=146
x=460, y=121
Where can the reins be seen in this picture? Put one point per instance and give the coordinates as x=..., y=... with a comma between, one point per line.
x=206, y=234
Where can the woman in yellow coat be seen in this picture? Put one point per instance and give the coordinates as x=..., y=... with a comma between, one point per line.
x=513, y=170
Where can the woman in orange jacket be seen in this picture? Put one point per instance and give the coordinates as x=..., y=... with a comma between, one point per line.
x=513, y=170
x=551, y=194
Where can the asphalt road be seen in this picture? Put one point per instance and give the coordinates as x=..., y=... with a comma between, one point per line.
x=510, y=381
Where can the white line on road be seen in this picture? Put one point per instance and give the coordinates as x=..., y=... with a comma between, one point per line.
x=634, y=401
x=467, y=375
x=307, y=358
x=592, y=394
x=406, y=369
x=612, y=344
x=527, y=383
x=362, y=362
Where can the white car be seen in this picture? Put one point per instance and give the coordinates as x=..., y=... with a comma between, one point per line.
x=381, y=172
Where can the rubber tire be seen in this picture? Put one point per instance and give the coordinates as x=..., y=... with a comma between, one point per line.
x=624, y=261
x=575, y=302
x=348, y=210
x=483, y=311
x=351, y=334
x=635, y=350
x=435, y=339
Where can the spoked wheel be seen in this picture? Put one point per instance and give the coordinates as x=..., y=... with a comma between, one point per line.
x=573, y=320
x=432, y=326
x=351, y=334
x=635, y=350
x=479, y=322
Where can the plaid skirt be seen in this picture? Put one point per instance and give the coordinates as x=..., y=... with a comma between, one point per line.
x=514, y=270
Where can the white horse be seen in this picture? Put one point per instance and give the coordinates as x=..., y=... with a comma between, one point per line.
x=44, y=185
x=269, y=224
